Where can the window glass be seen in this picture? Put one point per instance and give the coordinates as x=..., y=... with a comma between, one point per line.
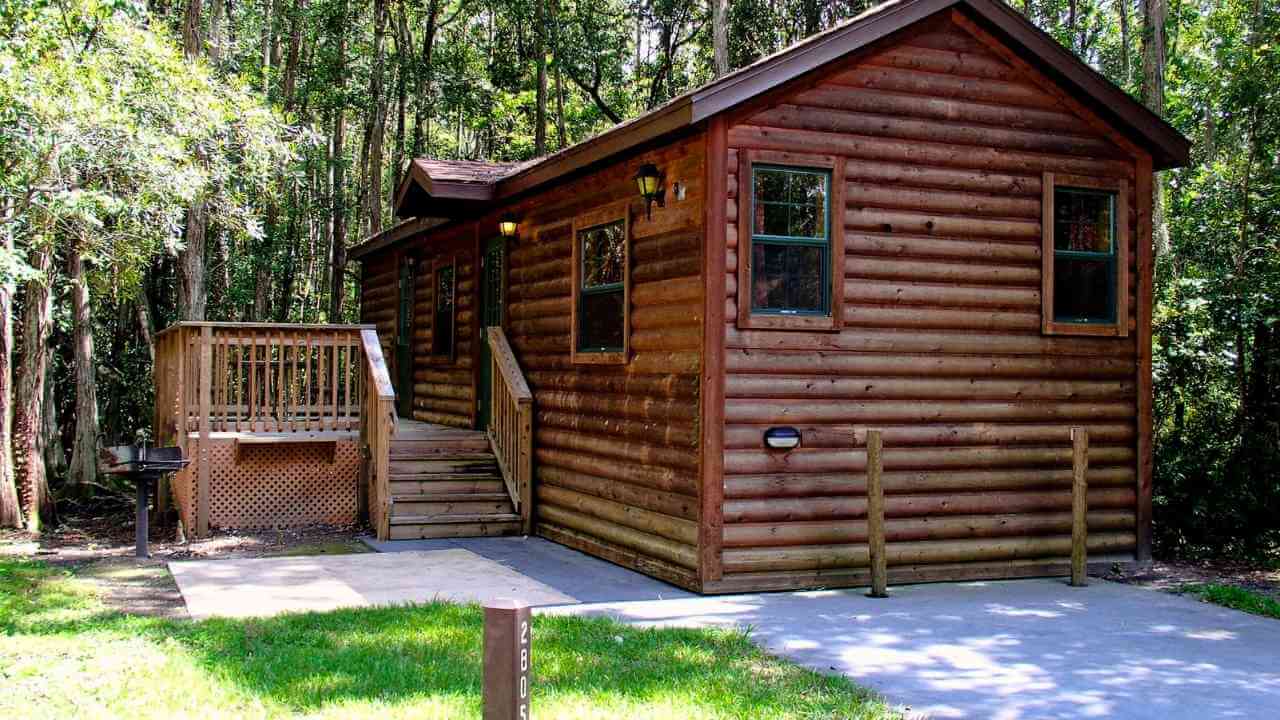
x=790, y=203
x=1082, y=220
x=603, y=255
x=1084, y=262
x=602, y=296
x=790, y=250
x=442, y=327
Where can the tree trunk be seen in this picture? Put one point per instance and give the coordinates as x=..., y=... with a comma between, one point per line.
x=82, y=474
x=1126, y=49
x=1153, y=62
x=338, y=256
x=10, y=510
x=561, y=135
x=191, y=29
x=191, y=291
x=423, y=96
x=378, y=122
x=28, y=432
x=217, y=11
x=720, y=35
x=540, y=50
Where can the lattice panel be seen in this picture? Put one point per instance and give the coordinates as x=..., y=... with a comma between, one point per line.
x=182, y=489
x=276, y=486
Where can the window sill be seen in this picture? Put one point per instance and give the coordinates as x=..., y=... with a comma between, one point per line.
x=1049, y=327
x=598, y=358
x=772, y=321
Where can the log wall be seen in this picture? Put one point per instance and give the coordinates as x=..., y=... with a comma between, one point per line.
x=443, y=387
x=616, y=458
x=943, y=142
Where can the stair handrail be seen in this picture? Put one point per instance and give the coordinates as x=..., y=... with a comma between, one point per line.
x=378, y=424
x=511, y=424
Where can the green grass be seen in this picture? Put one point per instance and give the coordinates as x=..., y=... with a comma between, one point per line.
x=62, y=654
x=1236, y=598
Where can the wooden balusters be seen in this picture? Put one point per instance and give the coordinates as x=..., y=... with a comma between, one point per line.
x=511, y=424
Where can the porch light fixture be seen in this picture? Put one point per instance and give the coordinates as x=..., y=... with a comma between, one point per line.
x=508, y=226
x=649, y=183
x=782, y=438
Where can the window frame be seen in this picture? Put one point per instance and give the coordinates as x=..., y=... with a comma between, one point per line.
x=604, y=215
x=449, y=262
x=748, y=318
x=1119, y=326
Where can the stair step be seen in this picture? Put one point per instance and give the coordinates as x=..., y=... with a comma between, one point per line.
x=466, y=509
x=455, y=485
x=496, y=517
x=498, y=497
x=454, y=530
x=445, y=464
x=416, y=448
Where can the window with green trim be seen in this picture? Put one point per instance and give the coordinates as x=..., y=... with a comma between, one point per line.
x=790, y=240
x=1084, y=256
x=601, y=289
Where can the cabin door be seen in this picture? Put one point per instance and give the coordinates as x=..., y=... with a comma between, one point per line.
x=492, y=296
x=404, y=341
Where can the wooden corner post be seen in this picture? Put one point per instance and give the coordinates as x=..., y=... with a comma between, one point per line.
x=875, y=517
x=507, y=658
x=205, y=374
x=1079, y=505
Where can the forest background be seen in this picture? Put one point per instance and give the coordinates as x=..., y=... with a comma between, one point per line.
x=214, y=159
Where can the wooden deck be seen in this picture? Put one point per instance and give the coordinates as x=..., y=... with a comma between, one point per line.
x=445, y=482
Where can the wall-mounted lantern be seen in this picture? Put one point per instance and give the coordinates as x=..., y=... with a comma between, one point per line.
x=508, y=226
x=782, y=438
x=649, y=183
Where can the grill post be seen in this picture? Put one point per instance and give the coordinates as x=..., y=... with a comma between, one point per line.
x=140, y=520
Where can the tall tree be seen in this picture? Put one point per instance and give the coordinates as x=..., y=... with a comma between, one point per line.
x=540, y=54
x=10, y=510
x=720, y=36
x=337, y=161
x=29, y=414
x=82, y=474
x=191, y=287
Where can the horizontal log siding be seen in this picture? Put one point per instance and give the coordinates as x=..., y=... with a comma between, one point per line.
x=379, y=284
x=615, y=446
x=941, y=345
x=443, y=391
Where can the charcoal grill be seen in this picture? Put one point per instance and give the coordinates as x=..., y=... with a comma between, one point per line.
x=143, y=466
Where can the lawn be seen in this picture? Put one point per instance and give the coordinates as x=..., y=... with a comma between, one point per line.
x=64, y=654
x=1237, y=598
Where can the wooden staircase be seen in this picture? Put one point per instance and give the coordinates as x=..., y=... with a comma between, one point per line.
x=445, y=482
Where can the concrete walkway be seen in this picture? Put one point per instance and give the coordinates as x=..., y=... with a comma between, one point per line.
x=260, y=587
x=1016, y=650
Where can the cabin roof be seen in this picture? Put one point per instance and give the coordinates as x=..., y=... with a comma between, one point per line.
x=448, y=189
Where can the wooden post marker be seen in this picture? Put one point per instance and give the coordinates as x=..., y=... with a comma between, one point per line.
x=875, y=517
x=1079, y=504
x=507, y=657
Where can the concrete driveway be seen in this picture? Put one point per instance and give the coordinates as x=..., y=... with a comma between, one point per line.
x=1015, y=650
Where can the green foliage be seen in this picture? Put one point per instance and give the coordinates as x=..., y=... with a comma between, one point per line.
x=1216, y=346
x=1236, y=598
x=401, y=662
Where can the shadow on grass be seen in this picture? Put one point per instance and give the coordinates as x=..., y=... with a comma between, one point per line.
x=304, y=662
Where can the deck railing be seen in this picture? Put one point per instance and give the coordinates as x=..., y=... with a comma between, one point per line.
x=379, y=411
x=294, y=381
x=511, y=424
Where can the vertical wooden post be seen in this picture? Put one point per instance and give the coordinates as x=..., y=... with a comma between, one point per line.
x=205, y=370
x=875, y=517
x=1079, y=504
x=507, y=658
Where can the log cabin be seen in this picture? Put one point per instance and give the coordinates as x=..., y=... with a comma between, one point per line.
x=665, y=346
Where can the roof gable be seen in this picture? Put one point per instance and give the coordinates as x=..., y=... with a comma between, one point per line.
x=461, y=188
